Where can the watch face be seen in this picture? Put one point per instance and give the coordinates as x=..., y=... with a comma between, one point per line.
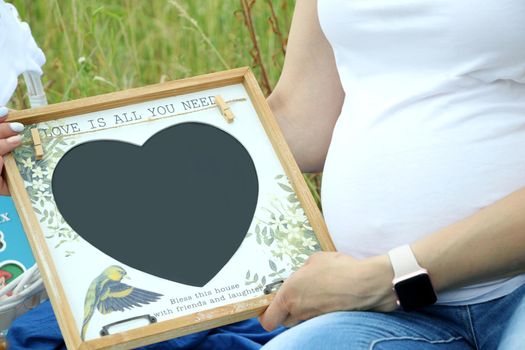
x=415, y=292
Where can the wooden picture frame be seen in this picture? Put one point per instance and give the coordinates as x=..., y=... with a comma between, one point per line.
x=183, y=325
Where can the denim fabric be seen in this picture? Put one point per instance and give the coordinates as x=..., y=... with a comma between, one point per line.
x=496, y=324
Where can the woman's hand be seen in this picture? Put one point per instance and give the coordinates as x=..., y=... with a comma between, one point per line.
x=9, y=140
x=332, y=282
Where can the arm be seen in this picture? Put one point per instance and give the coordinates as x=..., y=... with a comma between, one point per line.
x=485, y=246
x=308, y=97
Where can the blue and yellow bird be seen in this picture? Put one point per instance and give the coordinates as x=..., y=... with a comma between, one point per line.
x=106, y=293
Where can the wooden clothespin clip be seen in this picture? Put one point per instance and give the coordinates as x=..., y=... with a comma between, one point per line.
x=225, y=109
x=39, y=150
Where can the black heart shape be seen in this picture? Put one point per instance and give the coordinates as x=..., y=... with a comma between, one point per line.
x=177, y=207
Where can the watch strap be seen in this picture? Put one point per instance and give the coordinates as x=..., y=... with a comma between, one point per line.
x=403, y=261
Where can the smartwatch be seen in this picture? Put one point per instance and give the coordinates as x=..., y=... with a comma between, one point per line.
x=411, y=282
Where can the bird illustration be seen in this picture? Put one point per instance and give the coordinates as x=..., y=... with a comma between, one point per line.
x=107, y=294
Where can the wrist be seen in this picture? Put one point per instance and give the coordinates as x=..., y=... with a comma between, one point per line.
x=411, y=283
x=376, y=276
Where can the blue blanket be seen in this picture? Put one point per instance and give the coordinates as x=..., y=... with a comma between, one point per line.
x=38, y=329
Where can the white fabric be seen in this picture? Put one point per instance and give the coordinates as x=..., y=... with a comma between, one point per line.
x=18, y=51
x=433, y=124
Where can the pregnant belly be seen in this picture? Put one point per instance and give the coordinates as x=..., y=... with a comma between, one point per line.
x=382, y=191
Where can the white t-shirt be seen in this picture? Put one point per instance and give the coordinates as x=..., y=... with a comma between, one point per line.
x=18, y=51
x=433, y=124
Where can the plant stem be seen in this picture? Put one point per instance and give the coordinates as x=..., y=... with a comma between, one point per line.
x=256, y=51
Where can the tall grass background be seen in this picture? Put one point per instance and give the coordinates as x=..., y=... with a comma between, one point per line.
x=99, y=46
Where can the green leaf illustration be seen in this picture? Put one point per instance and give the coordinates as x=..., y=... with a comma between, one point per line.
x=285, y=187
x=273, y=265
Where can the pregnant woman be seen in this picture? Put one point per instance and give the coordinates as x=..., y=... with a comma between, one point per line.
x=416, y=111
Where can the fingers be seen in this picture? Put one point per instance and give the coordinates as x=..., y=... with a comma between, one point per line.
x=7, y=145
x=9, y=138
x=3, y=113
x=290, y=321
x=10, y=129
x=275, y=314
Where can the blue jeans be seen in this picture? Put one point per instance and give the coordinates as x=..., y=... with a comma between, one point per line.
x=496, y=324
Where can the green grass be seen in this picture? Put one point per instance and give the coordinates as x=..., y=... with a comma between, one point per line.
x=129, y=43
x=99, y=46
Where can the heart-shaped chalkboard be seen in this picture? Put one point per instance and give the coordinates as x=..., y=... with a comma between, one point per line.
x=177, y=207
